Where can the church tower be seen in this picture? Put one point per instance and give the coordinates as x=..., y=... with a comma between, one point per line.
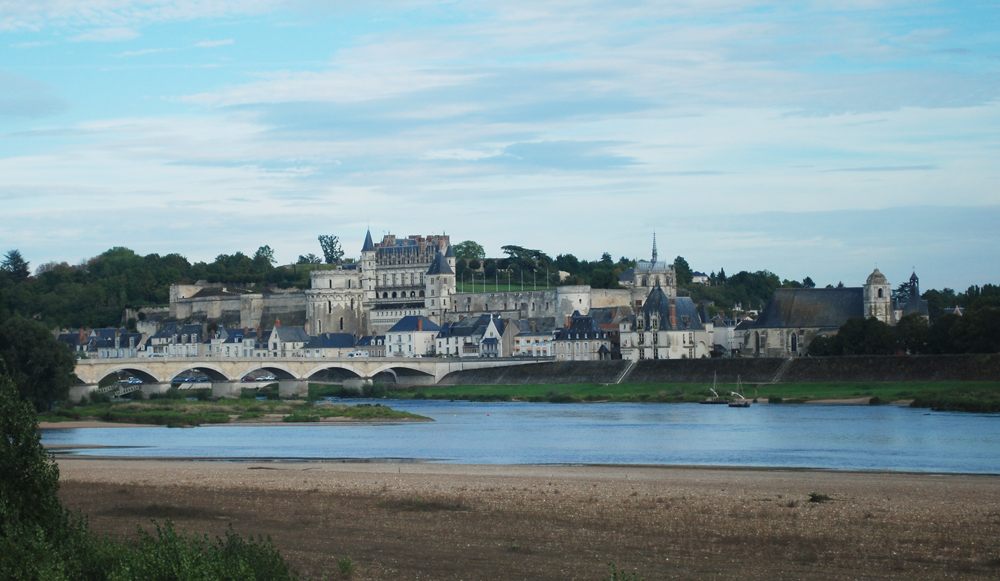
x=654, y=247
x=368, y=269
x=878, y=300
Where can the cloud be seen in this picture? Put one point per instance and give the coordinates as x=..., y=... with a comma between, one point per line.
x=115, y=34
x=566, y=155
x=887, y=168
x=213, y=43
x=38, y=14
x=27, y=98
x=144, y=51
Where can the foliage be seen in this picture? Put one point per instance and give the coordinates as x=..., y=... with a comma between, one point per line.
x=40, y=540
x=14, y=266
x=858, y=336
x=309, y=259
x=617, y=575
x=332, y=252
x=469, y=250
x=684, y=273
x=345, y=565
x=41, y=367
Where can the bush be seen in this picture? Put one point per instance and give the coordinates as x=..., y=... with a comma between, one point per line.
x=346, y=566
x=40, y=540
x=775, y=399
x=875, y=401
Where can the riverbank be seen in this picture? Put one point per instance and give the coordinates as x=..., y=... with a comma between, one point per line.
x=818, y=392
x=435, y=521
x=183, y=413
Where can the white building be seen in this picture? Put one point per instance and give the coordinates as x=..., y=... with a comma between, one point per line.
x=412, y=336
x=665, y=328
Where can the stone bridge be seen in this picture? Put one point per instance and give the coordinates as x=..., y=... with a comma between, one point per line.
x=292, y=373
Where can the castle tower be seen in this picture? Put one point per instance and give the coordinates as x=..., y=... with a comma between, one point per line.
x=878, y=300
x=450, y=257
x=440, y=286
x=368, y=269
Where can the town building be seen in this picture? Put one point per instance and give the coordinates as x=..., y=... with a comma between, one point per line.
x=665, y=327
x=412, y=336
x=483, y=336
x=581, y=340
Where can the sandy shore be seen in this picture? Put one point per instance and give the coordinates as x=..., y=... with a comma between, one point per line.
x=436, y=521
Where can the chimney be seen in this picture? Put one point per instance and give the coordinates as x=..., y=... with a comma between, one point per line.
x=673, y=314
x=420, y=323
x=246, y=331
x=82, y=339
x=277, y=322
x=569, y=319
x=306, y=327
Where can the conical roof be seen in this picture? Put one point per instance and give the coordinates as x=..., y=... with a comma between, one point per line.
x=369, y=245
x=449, y=253
x=440, y=266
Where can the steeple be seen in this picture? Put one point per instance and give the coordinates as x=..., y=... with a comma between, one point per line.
x=654, y=247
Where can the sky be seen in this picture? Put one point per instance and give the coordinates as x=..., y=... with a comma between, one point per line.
x=815, y=139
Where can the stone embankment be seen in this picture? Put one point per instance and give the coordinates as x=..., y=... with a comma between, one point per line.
x=751, y=371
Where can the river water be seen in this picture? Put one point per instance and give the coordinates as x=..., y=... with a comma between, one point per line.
x=811, y=436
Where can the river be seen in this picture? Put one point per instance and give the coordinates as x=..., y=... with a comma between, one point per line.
x=887, y=437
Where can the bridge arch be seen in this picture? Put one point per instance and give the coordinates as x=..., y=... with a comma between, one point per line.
x=140, y=371
x=278, y=370
x=214, y=372
x=333, y=365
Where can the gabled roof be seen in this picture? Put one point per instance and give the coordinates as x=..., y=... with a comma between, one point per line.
x=331, y=341
x=581, y=327
x=291, y=334
x=440, y=265
x=812, y=307
x=369, y=245
x=685, y=313
x=409, y=323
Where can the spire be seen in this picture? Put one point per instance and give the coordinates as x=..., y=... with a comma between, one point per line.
x=369, y=245
x=654, y=246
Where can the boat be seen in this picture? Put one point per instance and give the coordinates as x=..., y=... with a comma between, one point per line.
x=715, y=398
x=738, y=400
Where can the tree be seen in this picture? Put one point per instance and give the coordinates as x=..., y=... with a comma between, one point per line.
x=912, y=333
x=41, y=367
x=807, y=282
x=859, y=336
x=264, y=255
x=602, y=278
x=14, y=266
x=332, y=252
x=683, y=270
x=468, y=250
x=309, y=259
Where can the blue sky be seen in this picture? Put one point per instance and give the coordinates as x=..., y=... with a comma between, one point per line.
x=818, y=139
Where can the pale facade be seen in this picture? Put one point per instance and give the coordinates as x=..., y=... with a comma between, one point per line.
x=665, y=328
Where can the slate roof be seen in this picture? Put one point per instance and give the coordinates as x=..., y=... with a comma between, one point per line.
x=812, y=307
x=236, y=336
x=473, y=327
x=449, y=253
x=686, y=313
x=331, y=341
x=627, y=276
x=581, y=327
x=369, y=245
x=291, y=334
x=440, y=265
x=409, y=323
x=647, y=266
x=73, y=339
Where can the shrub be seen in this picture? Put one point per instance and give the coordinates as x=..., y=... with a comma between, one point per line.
x=817, y=498
x=346, y=566
x=617, y=575
x=774, y=399
x=875, y=401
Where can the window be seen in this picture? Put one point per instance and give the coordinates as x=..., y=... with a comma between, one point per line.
x=880, y=295
x=342, y=323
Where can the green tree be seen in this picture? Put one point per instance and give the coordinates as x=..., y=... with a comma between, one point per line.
x=469, y=249
x=602, y=278
x=15, y=266
x=807, y=282
x=912, y=333
x=264, y=256
x=41, y=367
x=684, y=272
x=309, y=259
x=859, y=336
x=332, y=252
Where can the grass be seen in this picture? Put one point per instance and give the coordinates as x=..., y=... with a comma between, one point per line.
x=957, y=395
x=180, y=413
x=515, y=286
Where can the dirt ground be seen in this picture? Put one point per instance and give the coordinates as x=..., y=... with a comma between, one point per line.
x=431, y=521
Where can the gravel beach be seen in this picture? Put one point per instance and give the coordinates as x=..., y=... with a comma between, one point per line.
x=436, y=521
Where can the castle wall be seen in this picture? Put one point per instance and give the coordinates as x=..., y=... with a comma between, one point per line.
x=602, y=298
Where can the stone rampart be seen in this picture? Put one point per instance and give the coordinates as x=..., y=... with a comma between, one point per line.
x=542, y=373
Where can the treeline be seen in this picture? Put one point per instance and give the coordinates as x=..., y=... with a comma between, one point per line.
x=976, y=331
x=94, y=293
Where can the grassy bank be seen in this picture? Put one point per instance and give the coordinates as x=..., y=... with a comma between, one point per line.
x=182, y=413
x=967, y=392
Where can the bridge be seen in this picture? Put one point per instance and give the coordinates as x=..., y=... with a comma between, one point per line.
x=293, y=373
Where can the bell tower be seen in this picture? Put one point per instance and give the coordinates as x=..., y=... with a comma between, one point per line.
x=878, y=301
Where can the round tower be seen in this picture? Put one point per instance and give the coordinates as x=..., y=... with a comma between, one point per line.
x=878, y=298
